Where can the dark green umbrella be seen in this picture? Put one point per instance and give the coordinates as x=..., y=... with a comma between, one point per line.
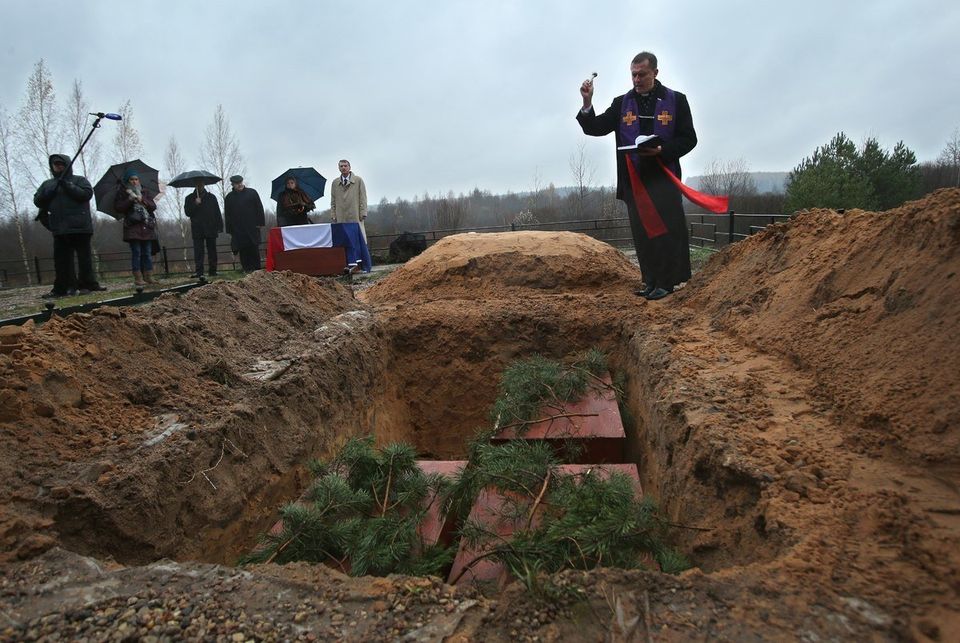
x=189, y=179
x=308, y=180
x=105, y=191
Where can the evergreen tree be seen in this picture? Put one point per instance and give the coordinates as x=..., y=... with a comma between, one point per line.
x=838, y=175
x=829, y=179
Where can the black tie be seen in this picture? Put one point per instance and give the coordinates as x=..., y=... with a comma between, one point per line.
x=343, y=180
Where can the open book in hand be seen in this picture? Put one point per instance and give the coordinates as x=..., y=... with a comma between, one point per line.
x=643, y=141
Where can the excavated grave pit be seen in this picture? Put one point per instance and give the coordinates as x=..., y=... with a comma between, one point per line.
x=421, y=370
x=434, y=393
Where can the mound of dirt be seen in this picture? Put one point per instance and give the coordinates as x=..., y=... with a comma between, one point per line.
x=505, y=264
x=869, y=303
x=85, y=400
x=90, y=380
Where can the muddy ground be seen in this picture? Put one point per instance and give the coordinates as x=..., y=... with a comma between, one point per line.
x=794, y=408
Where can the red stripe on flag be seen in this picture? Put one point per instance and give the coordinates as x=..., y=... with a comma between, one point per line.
x=274, y=246
x=649, y=217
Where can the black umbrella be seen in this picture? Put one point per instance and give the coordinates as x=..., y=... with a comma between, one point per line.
x=105, y=191
x=189, y=179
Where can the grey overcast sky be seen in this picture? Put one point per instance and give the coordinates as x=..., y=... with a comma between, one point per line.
x=445, y=95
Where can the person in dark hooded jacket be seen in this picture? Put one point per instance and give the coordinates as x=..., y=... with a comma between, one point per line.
x=64, y=203
x=206, y=223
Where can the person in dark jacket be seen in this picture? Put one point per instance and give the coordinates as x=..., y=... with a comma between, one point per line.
x=64, y=203
x=243, y=211
x=653, y=201
x=293, y=205
x=137, y=205
x=205, y=224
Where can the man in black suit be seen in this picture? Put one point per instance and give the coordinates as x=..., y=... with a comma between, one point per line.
x=653, y=200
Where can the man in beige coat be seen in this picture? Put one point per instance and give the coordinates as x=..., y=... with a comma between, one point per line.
x=348, y=197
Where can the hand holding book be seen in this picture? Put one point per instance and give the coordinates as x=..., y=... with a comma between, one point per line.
x=645, y=143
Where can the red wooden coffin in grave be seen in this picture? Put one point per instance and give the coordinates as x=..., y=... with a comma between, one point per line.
x=594, y=423
x=435, y=528
x=488, y=511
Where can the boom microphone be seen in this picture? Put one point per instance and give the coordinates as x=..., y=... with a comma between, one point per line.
x=93, y=128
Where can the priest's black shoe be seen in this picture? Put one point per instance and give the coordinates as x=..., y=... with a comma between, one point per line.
x=658, y=293
x=643, y=292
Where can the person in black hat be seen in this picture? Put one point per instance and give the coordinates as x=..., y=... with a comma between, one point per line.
x=64, y=203
x=243, y=211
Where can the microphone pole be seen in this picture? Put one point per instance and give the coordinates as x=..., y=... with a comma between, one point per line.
x=100, y=116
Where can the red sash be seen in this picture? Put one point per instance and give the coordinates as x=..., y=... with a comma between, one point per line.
x=652, y=221
x=714, y=203
x=649, y=217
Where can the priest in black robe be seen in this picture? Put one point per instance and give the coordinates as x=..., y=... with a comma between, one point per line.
x=644, y=183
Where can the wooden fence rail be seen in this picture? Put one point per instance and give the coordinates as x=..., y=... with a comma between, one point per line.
x=706, y=230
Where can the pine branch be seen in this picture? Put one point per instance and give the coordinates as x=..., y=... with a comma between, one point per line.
x=286, y=544
x=386, y=495
x=536, y=503
x=550, y=418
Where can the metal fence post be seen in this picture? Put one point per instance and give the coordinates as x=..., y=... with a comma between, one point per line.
x=730, y=236
x=36, y=264
x=166, y=262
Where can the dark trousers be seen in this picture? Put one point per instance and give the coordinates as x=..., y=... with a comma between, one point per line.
x=664, y=260
x=249, y=258
x=210, y=244
x=65, y=246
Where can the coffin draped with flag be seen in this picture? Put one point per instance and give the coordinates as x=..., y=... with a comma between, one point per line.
x=320, y=235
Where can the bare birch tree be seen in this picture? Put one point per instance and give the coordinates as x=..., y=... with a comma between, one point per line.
x=950, y=156
x=78, y=123
x=8, y=187
x=39, y=132
x=535, y=198
x=730, y=178
x=126, y=141
x=88, y=161
x=220, y=152
x=583, y=173
x=173, y=164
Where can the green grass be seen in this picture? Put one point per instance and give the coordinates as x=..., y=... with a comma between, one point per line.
x=700, y=256
x=118, y=287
